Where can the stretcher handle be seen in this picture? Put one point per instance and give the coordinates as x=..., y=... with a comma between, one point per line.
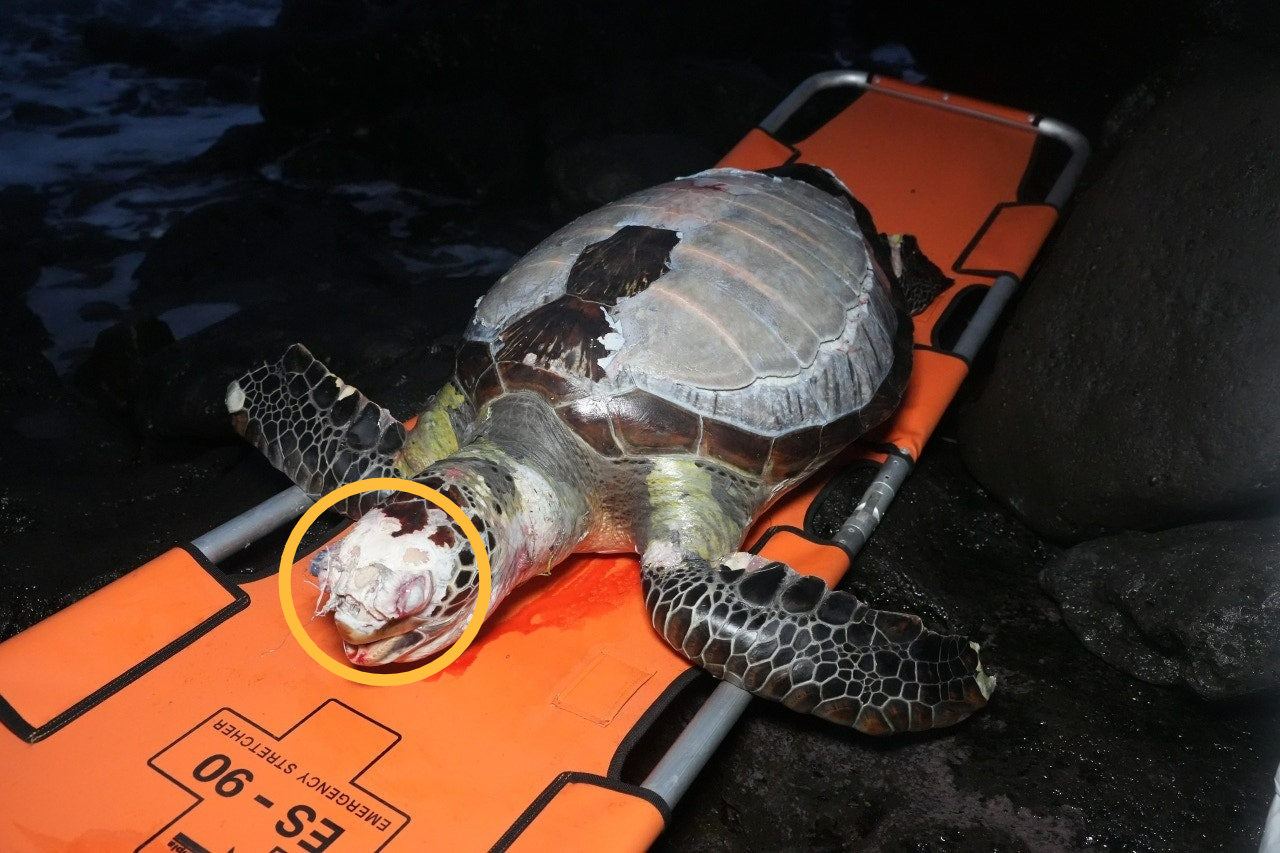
x=1075, y=141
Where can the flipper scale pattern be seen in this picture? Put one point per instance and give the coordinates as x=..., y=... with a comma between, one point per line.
x=787, y=637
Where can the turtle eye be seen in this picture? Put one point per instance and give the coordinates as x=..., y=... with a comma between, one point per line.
x=414, y=596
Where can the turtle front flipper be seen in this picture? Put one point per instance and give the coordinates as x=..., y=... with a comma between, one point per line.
x=787, y=637
x=315, y=428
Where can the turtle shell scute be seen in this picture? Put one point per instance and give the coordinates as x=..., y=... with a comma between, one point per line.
x=648, y=424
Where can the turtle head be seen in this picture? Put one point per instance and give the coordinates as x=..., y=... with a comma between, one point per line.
x=401, y=585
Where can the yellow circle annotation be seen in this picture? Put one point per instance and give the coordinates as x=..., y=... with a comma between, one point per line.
x=388, y=679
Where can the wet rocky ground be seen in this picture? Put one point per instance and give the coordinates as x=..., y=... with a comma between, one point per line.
x=157, y=237
x=1071, y=754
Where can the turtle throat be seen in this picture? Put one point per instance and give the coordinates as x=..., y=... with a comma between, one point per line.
x=528, y=522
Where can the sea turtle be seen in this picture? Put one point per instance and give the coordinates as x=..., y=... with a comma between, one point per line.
x=648, y=379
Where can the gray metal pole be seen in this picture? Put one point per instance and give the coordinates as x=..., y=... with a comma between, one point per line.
x=673, y=775
x=251, y=525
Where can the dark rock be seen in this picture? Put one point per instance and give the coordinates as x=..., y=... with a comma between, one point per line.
x=22, y=217
x=32, y=112
x=332, y=157
x=23, y=234
x=243, y=148
x=471, y=144
x=1197, y=606
x=1138, y=386
x=16, y=515
x=299, y=241
x=101, y=311
x=715, y=101
x=374, y=338
x=107, y=40
x=955, y=531
x=177, y=53
x=232, y=83
x=594, y=172
x=110, y=373
x=146, y=100
x=659, y=119
x=469, y=99
x=90, y=131
x=337, y=62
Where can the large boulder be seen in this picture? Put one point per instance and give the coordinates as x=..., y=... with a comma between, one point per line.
x=298, y=240
x=1138, y=385
x=1197, y=606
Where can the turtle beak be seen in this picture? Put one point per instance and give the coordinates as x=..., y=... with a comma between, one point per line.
x=356, y=626
x=419, y=643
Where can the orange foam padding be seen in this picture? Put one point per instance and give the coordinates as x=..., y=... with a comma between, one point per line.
x=933, y=384
x=938, y=98
x=757, y=150
x=555, y=681
x=806, y=554
x=960, y=169
x=591, y=818
x=51, y=668
x=602, y=689
x=1010, y=241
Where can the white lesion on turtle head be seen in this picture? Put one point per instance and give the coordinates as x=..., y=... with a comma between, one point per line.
x=389, y=584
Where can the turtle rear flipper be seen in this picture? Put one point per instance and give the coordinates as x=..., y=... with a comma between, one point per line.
x=787, y=637
x=319, y=431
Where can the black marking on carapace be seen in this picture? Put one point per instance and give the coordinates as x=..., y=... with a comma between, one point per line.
x=623, y=264
x=562, y=336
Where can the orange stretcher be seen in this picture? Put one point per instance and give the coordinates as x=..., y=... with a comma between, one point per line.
x=173, y=709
